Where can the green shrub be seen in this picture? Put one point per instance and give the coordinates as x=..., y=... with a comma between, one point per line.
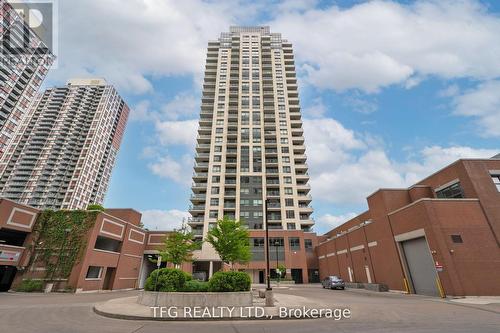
x=166, y=279
x=95, y=207
x=229, y=281
x=188, y=276
x=30, y=285
x=195, y=286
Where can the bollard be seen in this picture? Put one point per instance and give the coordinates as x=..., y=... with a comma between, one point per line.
x=269, y=298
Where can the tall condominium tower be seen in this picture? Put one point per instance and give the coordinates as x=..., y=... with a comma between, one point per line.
x=250, y=145
x=24, y=62
x=65, y=149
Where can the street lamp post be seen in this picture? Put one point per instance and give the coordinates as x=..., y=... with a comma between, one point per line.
x=268, y=271
x=278, y=275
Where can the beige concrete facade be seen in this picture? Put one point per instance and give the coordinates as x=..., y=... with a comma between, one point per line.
x=250, y=144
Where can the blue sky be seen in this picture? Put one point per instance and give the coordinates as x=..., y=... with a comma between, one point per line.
x=390, y=91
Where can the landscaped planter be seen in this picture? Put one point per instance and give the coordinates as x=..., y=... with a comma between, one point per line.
x=191, y=299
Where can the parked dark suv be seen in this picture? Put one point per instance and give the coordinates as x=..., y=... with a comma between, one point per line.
x=333, y=282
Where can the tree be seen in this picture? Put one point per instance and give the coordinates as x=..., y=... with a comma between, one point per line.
x=230, y=238
x=95, y=207
x=282, y=271
x=178, y=247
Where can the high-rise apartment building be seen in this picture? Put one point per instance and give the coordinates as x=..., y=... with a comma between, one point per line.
x=250, y=145
x=63, y=153
x=24, y=63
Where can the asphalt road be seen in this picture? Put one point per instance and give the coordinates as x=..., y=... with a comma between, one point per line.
x=371, y=312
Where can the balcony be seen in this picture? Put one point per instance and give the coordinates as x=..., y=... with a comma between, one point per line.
x=195, y=220
x=196, y=208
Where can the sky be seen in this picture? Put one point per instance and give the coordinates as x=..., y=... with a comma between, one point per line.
x=390, y=91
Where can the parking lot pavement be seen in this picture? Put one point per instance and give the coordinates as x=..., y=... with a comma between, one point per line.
x=371, y=312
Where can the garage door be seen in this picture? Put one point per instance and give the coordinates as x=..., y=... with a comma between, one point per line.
x=421, y=266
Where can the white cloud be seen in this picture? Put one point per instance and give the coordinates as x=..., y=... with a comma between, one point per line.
x=379, y=43
x=181, y=106
x=346, y=167
x=177, y=170
x=141, y=111
x=431, y=159
x=328, y=142
x=130, y=41
x=483, y=104
x=328, y=222
x=316, y=109
x=156, y=219
x=361, y=104
x=181, y=132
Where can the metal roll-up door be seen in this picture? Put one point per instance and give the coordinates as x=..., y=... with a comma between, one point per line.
x=420, y=266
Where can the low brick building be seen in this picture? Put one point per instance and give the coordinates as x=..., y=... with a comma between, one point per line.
x=110, y=250
x=443, y=231
x=114, y=250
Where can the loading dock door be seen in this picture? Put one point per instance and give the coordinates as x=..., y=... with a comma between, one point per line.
x=420, y=266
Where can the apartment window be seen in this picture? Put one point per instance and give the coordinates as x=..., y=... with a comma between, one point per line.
x=255, y=102
x=218, y=149
x=214, y=202
x=290, y=226
x=244, y=202
x=218, y=139
x=94, y=272
x=257, y=214
x=255, y=87
x=245, y=74
x=288, y=190
x=286, y=159
x=245, y=88
x=308, y=244
x=453, y=191
x=285, y=150
x=289, y=202
x=257, y=202
x=282, y=115
x=245, y=191
x=220, y=122
x=215, y=179
x=220, y=114
x=222, y=91
x=294, y=243
x=284, y=131
x=213, y=214
x=456, y=239
x=219, y=130
x=215, y=190
x=286, y=169
x=244, y=215
x=287, y=180
x=245, y=102
x=216, y=168
x=496, y=181
x=282, y=123
x=220, y=106
x=284, y=141
x=217, y=158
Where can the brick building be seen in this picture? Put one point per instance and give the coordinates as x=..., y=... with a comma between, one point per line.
x=443, y=231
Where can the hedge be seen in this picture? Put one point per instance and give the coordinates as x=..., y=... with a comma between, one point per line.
x=30, y=285
x=165, y=279
x=229, y=281
x=195, y=286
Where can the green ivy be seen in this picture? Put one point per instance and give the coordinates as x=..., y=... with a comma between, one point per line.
x=60, y=238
